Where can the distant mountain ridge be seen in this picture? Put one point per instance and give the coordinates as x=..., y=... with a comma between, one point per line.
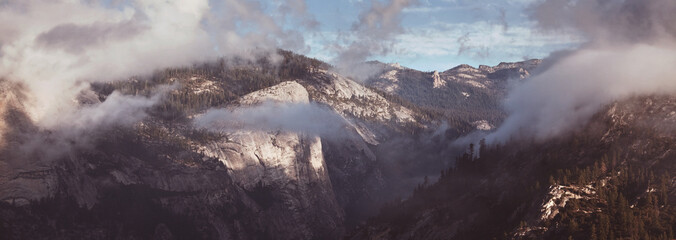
x=460, y=94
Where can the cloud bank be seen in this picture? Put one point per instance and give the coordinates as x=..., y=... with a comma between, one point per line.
x=57, y=48
x=631, y=50
x=306, y=118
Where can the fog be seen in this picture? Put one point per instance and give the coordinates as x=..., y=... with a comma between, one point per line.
x=57, y=48
x=372, y=35
x=305, y=118
x=630, y=50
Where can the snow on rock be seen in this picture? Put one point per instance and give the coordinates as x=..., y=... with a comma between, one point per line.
x=559, y=195
x=465, y=94
x=482, y=125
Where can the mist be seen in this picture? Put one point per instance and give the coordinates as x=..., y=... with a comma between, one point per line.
x=56, y=49
x=373, y=34
x=304, y=118
x=630, y=50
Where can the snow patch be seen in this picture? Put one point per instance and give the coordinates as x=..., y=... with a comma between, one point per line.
x=482, y=125
x=558, y=197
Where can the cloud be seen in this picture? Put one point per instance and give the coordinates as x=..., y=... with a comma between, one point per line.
x=631, y=21
x=57, y=48
x=502, y=19
x=631, y=50
x=373, y=34
x=462, y=43
x=76, y=38
x=469, y=42
x=306, y=118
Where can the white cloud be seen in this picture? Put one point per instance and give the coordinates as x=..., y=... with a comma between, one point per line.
x=55, y=48
x=442, y=40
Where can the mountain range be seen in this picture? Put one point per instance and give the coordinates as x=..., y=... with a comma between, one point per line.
x=294, y=149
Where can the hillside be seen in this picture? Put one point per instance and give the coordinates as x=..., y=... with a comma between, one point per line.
x=241, y=182
x=612, y=179
x=462, y=94
x=244, y=149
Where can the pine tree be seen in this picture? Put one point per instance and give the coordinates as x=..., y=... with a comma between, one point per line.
x=593, y=235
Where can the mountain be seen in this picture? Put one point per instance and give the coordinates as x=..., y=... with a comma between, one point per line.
x=462, y=94
x=261, y=173
x=165, y=178
x=612, y=179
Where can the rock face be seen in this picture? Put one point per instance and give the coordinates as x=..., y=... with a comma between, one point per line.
x=352, y=99
x=286, y=92
x=355, y=168
x=242, y=185
x=438, y=82
x=21, y=179
x=290, y=163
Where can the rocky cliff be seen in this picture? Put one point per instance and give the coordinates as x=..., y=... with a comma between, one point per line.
x=288, y=165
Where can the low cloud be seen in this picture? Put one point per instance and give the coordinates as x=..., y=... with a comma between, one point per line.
x=305, y=118
x=56, y=49
x=631, y=50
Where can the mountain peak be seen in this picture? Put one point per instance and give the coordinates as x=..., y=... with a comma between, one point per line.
x=462, y=68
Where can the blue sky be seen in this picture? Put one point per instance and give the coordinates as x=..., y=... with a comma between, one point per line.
x=440, y=34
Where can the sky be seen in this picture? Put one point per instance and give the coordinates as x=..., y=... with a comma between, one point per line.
x=441, y=34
